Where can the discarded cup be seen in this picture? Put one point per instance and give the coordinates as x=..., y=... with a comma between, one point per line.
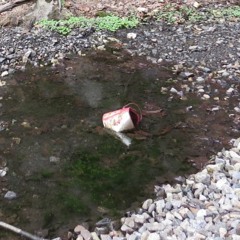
x=123, y=119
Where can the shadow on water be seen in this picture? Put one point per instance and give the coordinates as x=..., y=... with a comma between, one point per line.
x=64, y=167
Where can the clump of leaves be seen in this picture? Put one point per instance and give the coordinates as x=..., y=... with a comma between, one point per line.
x=229, y=12
x=110, y=23
x=113, y=23
x=173, y=13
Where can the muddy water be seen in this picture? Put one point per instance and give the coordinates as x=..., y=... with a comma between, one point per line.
x=66, y=169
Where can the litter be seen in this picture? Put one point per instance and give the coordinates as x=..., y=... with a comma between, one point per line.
x=120, y=136
x=126, y=118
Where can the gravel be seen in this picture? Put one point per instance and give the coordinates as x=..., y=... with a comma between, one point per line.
x=206, y=205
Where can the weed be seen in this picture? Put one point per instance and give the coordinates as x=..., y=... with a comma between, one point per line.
x=110, y=23
x=113, y=23
x=173, y=13
x=229, y=12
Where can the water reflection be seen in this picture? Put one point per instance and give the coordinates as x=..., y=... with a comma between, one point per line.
x=57, y=115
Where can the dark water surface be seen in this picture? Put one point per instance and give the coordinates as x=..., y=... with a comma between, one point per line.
x=66, y=169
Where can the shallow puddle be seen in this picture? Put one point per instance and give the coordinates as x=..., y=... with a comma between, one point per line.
x=66, y=169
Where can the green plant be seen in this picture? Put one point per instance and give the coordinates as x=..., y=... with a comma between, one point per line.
x=110, y=23
x=229, y=12
x=113, y=23
x=173, y=13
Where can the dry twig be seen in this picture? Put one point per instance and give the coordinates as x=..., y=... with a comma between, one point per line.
x=19, y=231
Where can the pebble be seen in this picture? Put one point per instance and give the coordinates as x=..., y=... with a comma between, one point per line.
x=131, y=35
x=147, y=204
x=206, y=96
x=200, y=79
x=154, y=236
x=54, y=159
x=10, y=195
x=230, y=91
x=3, y=172
x=186, y=74
x=4, y=74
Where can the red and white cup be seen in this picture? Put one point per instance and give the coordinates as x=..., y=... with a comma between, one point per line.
x=123, y=119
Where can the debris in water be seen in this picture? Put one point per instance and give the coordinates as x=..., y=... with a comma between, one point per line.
x=123, y=119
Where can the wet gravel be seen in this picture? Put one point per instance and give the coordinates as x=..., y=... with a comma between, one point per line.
x=206, y=58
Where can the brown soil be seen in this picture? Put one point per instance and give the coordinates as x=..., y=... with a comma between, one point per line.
x=126, y=7
x=93, y=8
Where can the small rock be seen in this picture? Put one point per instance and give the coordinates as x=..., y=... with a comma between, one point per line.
x=130, y=222
x=126, y=228
x=95, y=236
x=5, y=73
x=10, y=195
x=79, y=237
x=147, y=204
x=101, y=230
x=202, y=177
x=139, y=218
x=105, y=222
x=221, y=182
x=186, y=74
x=82, y=232
x=3, y=172
x=131, y=35
x=16, y=140
x=235, y=157
x=200, y=79
x=205, y=69
x=196, y=4
x=133, y=237
x=201, y=214
x=193, y=48
x=2, y=59
x=26, y=56
x=154, y=236
x=206, y=96
x=237, y=109
x=225, y=74
x=54, y=159
x=142, y=9
x=155, y=226
x=230, y=91
x=26, y=124
x=160, y=204
x=105, y=237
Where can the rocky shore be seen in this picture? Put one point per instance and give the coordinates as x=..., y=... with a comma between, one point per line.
x=206, y=56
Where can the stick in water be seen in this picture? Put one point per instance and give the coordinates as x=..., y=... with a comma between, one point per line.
x=19, y=231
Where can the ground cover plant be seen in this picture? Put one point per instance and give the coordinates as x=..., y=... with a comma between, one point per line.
x=171, y=13
x=110, y=23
